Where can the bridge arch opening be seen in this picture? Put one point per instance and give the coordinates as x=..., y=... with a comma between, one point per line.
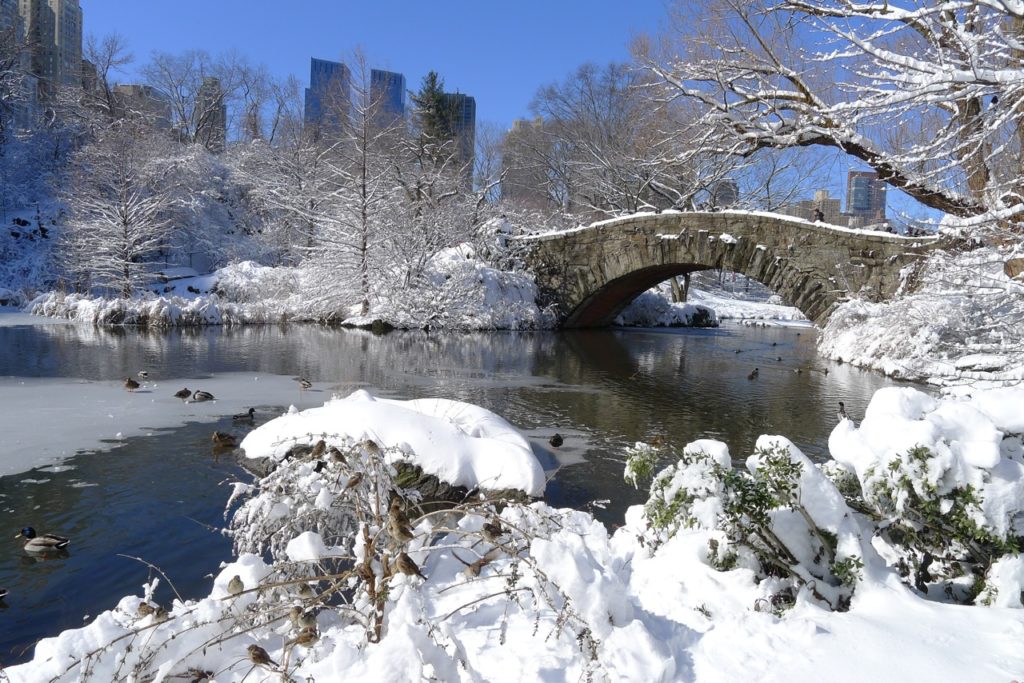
x=695, y=282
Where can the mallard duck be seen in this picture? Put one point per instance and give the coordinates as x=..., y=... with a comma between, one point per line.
x=842, y=412
x=130, y=384
x=143, y=374
x=754, y=374
x=556, y=440
x=183, y=394
x=3, y=593
x=201, y=395
x=304, y=383
x=224, y=440
x=42, y=544
x=247, y=416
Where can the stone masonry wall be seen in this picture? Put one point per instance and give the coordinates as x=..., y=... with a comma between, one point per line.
x=591, y=273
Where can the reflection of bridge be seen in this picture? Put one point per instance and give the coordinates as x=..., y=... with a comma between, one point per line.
x=592, y=273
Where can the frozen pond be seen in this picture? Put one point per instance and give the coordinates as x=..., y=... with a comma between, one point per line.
x=149, y=485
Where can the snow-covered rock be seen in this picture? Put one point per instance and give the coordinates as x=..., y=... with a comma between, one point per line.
x=460, y=443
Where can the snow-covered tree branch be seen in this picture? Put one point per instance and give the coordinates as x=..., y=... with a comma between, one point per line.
x=930, y=95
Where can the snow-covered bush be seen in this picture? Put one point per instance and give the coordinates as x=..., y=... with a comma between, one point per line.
x=781, y=518
x=943, y=482
x=460, y=292
x=339, y=569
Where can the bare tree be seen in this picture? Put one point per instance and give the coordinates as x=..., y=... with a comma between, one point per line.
x=108, y=56
x=349, y=245
x=947, y=77
x=200, y=89
x=12, y=80
x=118, y=201
x=606, y=143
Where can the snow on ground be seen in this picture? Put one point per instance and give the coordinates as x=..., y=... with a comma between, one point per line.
x=960, y=327
x=459, y=292
x=556, y=598
x=725, y=308
x=651, y=309
x=710, y=301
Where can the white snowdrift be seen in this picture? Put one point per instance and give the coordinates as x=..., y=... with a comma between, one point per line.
x=961, y=326
x=459, y=443
x=623, y=610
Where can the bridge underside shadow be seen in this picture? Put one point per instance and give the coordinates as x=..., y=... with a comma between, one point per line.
x=602, y=307
x=589, y=275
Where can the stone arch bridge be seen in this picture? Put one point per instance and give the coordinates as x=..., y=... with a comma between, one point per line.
x=592, y=273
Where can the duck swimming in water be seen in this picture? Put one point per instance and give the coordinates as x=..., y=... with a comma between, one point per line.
x=201, y=395
x=224, y=440
x=248, y=416
x=35, y=543
x=754, y=374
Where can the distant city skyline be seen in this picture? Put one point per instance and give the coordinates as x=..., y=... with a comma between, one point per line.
x=489, y=60
x=501, y=57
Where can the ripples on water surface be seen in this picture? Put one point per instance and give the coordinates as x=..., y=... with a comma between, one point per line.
x=156, y=497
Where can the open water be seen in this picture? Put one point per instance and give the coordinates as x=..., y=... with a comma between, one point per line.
x=161, y=498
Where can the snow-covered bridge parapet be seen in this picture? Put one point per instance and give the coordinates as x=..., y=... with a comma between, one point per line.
x=592, y=273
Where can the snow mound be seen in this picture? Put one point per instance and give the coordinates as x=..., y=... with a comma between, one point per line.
x=969, y=443
x=958, y=327
x=460, y=443
x=653, y=310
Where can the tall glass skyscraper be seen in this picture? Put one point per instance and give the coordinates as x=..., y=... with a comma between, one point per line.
x=328, y=97
x=461, y=116
x=865, y=195
x=387, y=92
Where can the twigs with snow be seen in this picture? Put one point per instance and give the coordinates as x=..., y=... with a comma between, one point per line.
x=156, y=569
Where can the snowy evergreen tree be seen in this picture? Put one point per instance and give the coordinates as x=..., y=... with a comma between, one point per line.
x=429, y=115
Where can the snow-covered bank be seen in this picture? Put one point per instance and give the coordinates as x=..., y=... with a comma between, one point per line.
x=460, y=292
x=727, y=308
x=536, y=593
x=961, y=326
x=651, y=309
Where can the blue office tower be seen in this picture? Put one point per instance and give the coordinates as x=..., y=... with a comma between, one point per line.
x=460, y=113
x=387, y=92
x=328, y=97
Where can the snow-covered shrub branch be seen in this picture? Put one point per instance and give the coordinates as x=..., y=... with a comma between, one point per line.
x=942, y=483
x=780, y=518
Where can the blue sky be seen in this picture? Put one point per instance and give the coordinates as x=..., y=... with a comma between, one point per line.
x=498, y=52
